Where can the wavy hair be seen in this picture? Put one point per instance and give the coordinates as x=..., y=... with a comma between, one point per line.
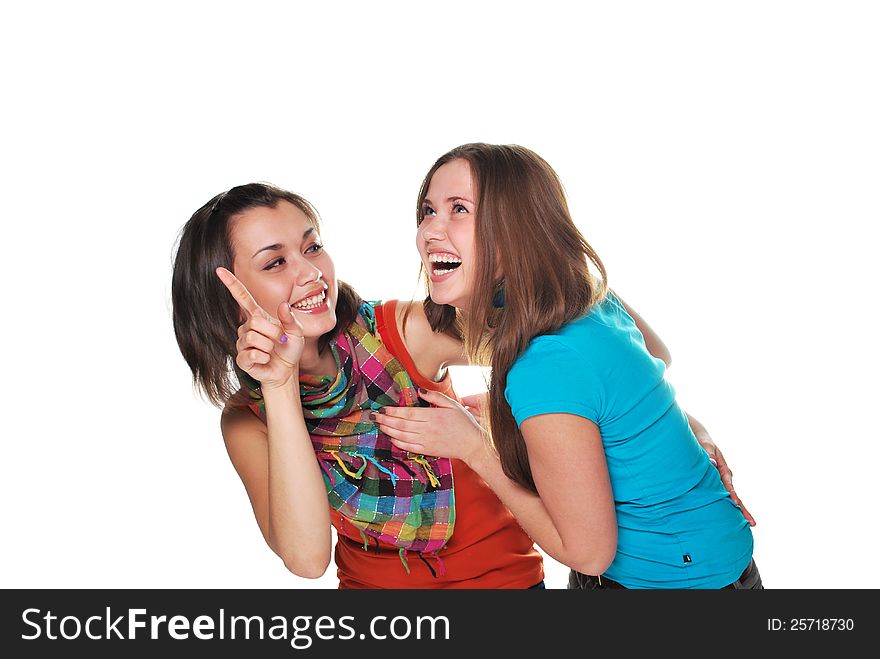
x=524, y=230
x=205, y=316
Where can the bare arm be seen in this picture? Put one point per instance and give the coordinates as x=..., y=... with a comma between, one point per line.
x=283, y=481
x=566, y=455
x=275, y=461
x=583, y=538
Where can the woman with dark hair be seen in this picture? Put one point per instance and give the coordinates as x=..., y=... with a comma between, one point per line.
x=592, y=453
x=299, y=363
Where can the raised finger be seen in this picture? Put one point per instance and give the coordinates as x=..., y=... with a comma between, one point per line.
x=241, y=294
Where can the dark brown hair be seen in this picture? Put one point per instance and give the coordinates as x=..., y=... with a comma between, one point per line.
x=206, y=317
x=524, y=230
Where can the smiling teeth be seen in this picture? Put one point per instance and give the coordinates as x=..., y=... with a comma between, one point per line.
x=440, y=272
x=443, y=258
x=310, y=302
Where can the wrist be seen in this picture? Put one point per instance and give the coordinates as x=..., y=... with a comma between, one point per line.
x=481, y=456
x=283, y=387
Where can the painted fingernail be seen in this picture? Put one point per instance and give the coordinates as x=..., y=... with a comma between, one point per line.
x=372, y=416
x=284, y=338
x=422, y=390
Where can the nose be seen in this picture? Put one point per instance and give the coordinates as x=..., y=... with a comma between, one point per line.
x=308, y=274
x=433, y=228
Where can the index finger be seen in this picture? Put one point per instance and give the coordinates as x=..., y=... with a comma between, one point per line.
x=407, y=413
x=245, y=300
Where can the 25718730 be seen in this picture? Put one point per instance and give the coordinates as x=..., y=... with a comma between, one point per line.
x=809, y=624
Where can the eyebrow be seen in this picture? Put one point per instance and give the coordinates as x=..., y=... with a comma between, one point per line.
x=454, y=198
x=277, y=246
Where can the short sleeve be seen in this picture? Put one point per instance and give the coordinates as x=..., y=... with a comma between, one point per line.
x=551, y=377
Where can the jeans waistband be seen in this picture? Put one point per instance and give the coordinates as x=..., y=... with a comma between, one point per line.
x=750, y=579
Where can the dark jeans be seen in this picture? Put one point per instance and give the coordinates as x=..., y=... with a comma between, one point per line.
x=750, y=579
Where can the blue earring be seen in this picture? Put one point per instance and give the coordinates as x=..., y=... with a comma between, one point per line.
x=498, y=299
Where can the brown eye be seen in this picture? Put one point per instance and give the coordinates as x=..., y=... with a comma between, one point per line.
x=426, y=210
x=275, y=263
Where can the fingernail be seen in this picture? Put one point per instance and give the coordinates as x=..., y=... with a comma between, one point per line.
x=381, y=410
x=372, y=416
x=422, y=391
x=284, y=338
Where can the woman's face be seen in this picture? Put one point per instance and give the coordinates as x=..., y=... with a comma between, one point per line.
x=278, y=256
x=445, y=238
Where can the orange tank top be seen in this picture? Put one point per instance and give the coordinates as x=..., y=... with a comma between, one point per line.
x=488, y=549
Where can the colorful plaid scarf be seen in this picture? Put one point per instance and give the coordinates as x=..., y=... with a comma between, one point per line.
x=388, y=494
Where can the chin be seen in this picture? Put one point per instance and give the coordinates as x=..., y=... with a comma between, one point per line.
x=438, y=298
x=447, y=299
x=317, y=326
x=326, y=324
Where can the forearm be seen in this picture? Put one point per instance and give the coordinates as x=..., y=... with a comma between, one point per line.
x=567, y=457
x=298, y=524
x=704, y=439
x=532, y=515
x=698, y=429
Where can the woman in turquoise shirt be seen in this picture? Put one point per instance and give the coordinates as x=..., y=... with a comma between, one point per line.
x=594, y=456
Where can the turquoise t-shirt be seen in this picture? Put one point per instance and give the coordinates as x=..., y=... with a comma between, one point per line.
x=677, y=526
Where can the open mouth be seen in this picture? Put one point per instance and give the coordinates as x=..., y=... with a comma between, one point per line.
x=311, y=303
x=443, y=263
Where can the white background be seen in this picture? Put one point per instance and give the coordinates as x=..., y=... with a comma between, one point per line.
x=723, y=159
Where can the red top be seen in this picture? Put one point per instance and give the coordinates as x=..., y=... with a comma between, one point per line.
x=488, y=549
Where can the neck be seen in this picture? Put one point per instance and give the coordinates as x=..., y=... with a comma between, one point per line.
x=317, y=363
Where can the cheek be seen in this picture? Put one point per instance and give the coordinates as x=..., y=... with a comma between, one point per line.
x=329, y=275
x=326, y=266
x=463, y=239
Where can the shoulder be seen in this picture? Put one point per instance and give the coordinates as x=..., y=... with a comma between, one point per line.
x=238, y=423
x=411, y=320
x=566, y=359
x=545, y=354
x=431, y=351
x=588, y=338
x=552, y=377
x=565, y=344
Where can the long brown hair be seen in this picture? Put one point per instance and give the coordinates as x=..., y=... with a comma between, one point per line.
x=524, y=230
x=205, y=315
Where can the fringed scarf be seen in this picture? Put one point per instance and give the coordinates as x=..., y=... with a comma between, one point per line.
x=399, y=498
